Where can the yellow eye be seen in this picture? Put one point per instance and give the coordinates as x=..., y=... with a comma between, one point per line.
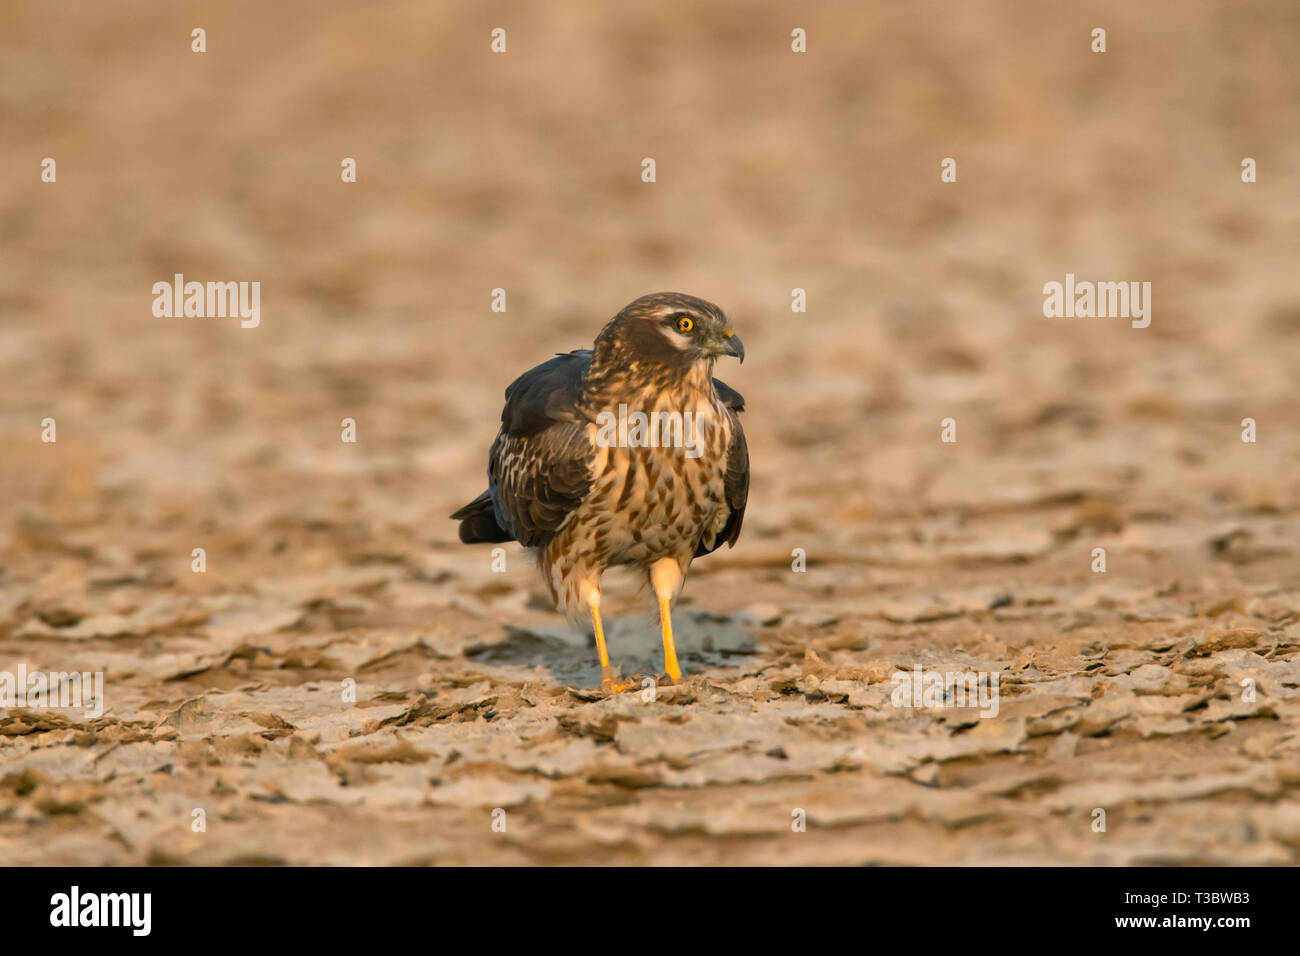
x=685, y=324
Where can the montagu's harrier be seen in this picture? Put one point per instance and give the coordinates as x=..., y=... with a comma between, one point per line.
x=629, y=453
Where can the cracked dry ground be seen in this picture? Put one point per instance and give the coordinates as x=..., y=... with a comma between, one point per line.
x=328, y=562
x=1120, y=691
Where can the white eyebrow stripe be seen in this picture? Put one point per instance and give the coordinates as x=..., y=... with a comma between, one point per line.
x=678, y=341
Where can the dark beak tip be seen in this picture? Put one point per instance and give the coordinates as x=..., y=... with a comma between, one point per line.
x=736, y=348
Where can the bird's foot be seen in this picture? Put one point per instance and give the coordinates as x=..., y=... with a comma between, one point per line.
x=609, y=681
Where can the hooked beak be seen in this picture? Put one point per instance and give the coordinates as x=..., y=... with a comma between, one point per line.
x=731, y=345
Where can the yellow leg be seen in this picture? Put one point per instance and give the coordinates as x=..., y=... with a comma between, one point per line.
x=670, y=649
x=666, y=580
x=606, y=672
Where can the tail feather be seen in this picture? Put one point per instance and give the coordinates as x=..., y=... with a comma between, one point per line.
x=478, y=522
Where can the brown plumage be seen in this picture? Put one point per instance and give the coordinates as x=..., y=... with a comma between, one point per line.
x=574, y=474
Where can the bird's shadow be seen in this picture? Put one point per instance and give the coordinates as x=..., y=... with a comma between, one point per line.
x=635, y=647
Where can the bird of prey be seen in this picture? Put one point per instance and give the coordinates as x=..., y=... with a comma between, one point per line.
x=578, y=475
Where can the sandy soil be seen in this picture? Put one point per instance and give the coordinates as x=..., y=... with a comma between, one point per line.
x=329, y=562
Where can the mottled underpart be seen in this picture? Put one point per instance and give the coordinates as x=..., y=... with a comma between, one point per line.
x=645, y=504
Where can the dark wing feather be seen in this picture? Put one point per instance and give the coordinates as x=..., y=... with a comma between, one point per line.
x=736, y=482
x=539, y=469
x=545, y=395
x=478, y=522
x=730, y=397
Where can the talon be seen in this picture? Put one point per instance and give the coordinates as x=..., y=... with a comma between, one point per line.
x=609, y=681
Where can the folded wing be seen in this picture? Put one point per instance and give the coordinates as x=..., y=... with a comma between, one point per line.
x=539, y=469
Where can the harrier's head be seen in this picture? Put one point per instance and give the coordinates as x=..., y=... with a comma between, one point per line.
x=671, y=329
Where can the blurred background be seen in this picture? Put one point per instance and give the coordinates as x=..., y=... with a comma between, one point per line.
x=522, y=171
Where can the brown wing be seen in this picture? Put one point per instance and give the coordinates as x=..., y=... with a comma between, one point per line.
x=539, y=469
